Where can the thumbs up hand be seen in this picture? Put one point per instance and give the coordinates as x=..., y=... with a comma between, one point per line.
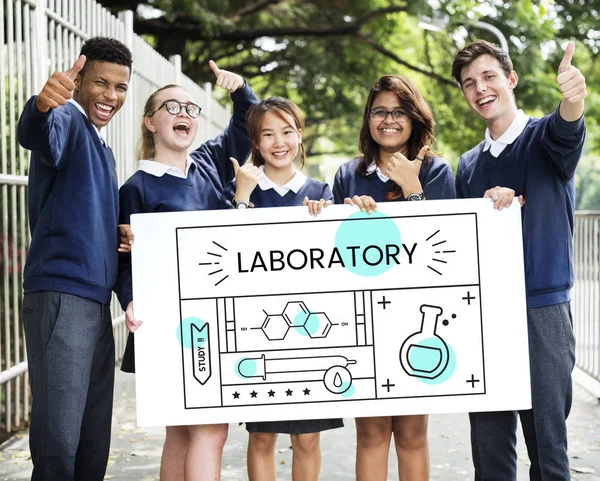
x=228, y=80
x=59, y=87
x=572, y=85
x=246, y=179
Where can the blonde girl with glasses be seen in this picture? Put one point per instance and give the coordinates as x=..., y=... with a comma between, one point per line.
x=169, y=179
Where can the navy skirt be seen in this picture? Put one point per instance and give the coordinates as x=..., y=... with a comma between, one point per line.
x=294, y=427
x=128, y=363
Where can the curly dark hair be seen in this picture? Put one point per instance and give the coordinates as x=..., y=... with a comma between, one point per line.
x=105, y=49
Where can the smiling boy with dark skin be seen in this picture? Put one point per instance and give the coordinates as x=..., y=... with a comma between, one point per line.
x=71, y=266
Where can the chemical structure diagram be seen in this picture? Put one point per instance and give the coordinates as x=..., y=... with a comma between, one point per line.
x=297, y=316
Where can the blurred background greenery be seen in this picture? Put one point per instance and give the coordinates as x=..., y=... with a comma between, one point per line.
x=324, y=55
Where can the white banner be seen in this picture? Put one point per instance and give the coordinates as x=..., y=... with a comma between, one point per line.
x=271, y=314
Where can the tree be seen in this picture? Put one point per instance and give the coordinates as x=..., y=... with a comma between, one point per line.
x=325, y=54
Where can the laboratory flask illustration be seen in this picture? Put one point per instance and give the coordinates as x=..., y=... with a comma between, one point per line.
x=425, y=354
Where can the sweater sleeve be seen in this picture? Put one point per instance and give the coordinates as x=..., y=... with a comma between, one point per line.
x=563, y=142
x=233, y=141
x=228, y=194
x=458, y=183
x=131, y=201
x=327, y=194
x=440, y=181
x=46, y=134
x=339, y=189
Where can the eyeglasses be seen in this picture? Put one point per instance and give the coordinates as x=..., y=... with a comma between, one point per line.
x=174, y=107
x=381, y=114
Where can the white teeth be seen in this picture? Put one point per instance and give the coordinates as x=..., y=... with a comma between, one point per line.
x=105, y=107
x=279, y=154
x=485, y=100
x=390, y=130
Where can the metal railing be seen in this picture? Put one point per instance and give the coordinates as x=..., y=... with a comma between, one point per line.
x=36, y=39
x=586, y=292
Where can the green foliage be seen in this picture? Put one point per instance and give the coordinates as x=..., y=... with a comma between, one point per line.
x=325, y=54
x=588, y=184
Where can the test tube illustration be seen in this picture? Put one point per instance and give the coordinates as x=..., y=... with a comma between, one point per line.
x=250, y=367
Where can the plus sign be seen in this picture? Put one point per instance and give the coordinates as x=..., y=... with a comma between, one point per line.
x=472, y=381
x=469, y=298
x=387, y=385
x=383, y=302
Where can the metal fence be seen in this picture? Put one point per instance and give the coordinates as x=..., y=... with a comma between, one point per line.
x=39, y=37
x=36, y=39
x=586, y=292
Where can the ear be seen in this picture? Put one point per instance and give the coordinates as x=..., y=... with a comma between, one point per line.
x=513, y=79
x=77, y=81
x=300, y=136
x=149, y=124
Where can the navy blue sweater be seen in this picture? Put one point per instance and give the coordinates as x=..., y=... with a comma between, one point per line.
x=540, y=165
x=435, y=177
x=209, y=173
x=313, y=189
x=73, y=204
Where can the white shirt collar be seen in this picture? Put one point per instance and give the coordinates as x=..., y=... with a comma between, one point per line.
x=294, y=184
x=373, y=167
x=508, y=137
x=159, y=169
x=98, y=131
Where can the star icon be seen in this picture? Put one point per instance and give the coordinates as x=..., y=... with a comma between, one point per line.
x=306, y=392
x=253, y=393
x=289, y=392
x=236, y=395
x=271, y=393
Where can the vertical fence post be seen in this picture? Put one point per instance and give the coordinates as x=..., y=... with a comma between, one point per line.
x=176, y=61
x=208, y=101
x=40, y=74
x=128, y=114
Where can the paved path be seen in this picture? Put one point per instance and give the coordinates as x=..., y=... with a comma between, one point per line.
x=135, y=452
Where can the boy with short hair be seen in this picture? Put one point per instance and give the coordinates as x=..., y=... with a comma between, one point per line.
x=535, y=159
x=72, y=263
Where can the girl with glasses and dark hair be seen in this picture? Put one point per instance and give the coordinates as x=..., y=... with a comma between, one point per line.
x=396, y=165
x=169, y=179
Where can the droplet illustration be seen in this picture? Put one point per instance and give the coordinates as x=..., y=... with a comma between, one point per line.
x=337, y=380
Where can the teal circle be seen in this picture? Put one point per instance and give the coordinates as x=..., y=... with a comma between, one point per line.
x=312, y=324
x=350, y=390
x=187, y=331
x=246, y=369
x=300, y=319
x=426, y=355
x=450, y=367
x=378, y=231
x=302, y=331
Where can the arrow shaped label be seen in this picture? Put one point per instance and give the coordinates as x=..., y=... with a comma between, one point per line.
x=201, y=353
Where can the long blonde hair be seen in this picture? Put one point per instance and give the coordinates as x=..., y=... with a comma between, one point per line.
x=146, y=147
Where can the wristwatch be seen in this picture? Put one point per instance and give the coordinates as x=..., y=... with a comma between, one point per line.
x=416, y=196
x=240, y=205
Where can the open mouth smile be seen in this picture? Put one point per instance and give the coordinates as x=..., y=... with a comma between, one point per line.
x=103, y=111
x=182, y=128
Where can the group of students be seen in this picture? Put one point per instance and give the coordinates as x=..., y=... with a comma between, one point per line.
x=72, y=266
